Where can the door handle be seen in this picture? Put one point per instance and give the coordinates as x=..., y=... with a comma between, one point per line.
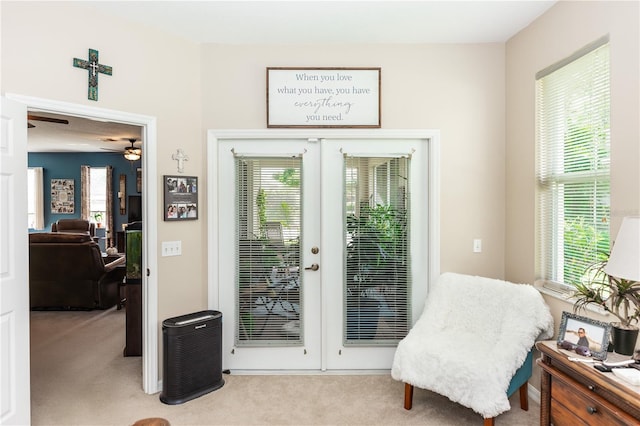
x=313, y=267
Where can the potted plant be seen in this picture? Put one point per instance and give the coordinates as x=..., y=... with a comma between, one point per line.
x=373, y=266
x=620, y=297
x=98, y=218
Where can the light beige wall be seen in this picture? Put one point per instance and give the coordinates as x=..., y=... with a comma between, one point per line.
x=153, y=74
x=458, y=89
x=565, y=28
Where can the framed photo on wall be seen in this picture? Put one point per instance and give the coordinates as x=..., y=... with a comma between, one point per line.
x=180, y=198
x=139, y=179
x=62, y=193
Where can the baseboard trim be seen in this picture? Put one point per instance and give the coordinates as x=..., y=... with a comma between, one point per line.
x=534, y=394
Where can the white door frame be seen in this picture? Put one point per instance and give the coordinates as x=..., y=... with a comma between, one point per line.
x=433, y=226
x=150, y=382
x=15, y=373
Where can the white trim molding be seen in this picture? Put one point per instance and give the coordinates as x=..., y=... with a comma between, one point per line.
x=215, y=136
x=150, y=383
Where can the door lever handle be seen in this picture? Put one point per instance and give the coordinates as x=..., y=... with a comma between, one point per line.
x=313, y=267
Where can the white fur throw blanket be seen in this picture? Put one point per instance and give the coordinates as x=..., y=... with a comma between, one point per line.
x=471, y=338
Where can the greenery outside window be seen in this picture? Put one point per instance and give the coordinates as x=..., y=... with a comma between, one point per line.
x=573, y=163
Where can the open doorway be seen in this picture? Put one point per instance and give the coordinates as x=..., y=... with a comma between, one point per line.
x=148, y=196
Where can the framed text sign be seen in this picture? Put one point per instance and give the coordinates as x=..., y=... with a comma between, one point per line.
x=323, y=97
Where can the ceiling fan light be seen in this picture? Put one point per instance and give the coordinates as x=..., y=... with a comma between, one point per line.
x=131, y=155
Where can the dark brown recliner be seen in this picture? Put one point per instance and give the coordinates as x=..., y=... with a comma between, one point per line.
x=76, y=226
x=67, y=271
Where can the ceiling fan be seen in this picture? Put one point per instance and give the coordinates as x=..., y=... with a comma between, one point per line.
x=47, y=119
x=131, y=153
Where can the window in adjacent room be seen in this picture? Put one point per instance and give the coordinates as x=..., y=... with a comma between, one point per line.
x=35, y=198
x=573, y=143
x=98, y=193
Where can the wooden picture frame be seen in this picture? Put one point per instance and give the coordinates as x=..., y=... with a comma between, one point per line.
x=323, y=97
x=180, y=198
x=139, y=179
x=596, y=332
x=62, y=196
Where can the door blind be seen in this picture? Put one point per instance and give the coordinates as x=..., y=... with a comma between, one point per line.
x=268, y=288
x=377, y=262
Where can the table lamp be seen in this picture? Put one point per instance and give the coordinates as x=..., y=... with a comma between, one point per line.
x=624, y=260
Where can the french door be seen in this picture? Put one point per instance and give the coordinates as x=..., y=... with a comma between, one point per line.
x=321, y=249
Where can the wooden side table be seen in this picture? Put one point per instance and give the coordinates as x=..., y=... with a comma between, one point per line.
x=576, y=393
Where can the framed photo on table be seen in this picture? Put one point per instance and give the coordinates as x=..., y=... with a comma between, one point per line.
x=180, y=198
x=580, y=331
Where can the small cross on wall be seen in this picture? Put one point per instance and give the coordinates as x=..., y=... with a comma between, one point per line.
x=180, y=157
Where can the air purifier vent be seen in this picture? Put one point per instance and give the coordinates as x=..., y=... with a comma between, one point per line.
x=192, y=349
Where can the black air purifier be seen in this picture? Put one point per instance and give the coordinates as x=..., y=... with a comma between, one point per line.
x=192, y=349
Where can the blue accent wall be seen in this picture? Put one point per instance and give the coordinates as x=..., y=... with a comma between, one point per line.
x=59, y=165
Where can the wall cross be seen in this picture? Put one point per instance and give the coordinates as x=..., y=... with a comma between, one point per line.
x=180, y=157
x=94, y=68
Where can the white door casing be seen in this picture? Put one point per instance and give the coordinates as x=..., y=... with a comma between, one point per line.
x=422, y=145
x=150, y=357
x=15, y=394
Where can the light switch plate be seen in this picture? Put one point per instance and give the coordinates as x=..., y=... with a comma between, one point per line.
x=171, y=248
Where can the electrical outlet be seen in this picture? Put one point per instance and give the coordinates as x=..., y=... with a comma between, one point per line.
x=171, y=248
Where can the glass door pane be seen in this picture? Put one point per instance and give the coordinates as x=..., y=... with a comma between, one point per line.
x=268, y=226
x=376, y=283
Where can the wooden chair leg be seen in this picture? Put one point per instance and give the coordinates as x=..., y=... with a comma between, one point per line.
x=491, y=421
x=524, y=396
x=408, y=396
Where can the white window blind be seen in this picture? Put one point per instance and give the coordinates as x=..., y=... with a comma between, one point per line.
x=377, y=262
x=268, y=226
x=573, y=141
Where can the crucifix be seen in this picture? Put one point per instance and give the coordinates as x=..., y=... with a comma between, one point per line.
x=94, y=69
x=180, y=158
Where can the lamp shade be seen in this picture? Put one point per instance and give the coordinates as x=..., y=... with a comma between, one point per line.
x=624, y=261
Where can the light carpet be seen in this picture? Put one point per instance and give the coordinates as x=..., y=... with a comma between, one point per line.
x=79, y=377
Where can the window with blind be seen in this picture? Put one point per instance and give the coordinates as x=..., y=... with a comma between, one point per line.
x=376, y=276
x=269, y=215
x=573, y=141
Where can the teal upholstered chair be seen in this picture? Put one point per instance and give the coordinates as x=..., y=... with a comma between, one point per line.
x=473, y=343
x=520, y=381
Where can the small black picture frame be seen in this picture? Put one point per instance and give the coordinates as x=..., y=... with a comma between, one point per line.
x=596, y=332
x=180, y=198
